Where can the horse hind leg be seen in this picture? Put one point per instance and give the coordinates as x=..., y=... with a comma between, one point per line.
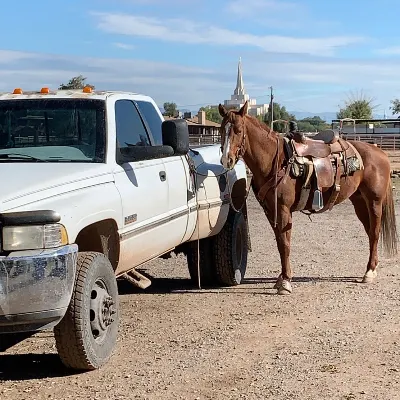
x=369, y=212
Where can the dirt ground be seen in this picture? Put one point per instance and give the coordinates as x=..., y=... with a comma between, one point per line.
x=333, y=338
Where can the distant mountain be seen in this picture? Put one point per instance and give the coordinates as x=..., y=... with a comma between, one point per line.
x=326, y=116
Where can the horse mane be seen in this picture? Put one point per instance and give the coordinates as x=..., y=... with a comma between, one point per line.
x=257, y=123
x=261, y=125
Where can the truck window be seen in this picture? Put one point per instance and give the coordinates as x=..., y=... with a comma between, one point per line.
x=153, y=120
x=53, y=130
x=129, y=126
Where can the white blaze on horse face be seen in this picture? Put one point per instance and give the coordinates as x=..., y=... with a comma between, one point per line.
x=224, y=159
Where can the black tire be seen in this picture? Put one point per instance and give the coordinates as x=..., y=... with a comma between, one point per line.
x=231, y=250
x=86, y=336
x=207, y=266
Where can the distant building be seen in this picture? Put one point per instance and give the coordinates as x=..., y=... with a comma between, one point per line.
x=239, y=97
x=201, y=130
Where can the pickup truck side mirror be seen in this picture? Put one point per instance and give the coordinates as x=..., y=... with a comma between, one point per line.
x=175, y=133
x=142, y=153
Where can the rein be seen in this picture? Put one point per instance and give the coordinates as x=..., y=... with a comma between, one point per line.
x=277, y=174
x=241, y=150
x=193, y=171
x=272, y=183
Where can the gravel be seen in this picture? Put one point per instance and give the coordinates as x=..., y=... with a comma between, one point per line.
x=333, y=338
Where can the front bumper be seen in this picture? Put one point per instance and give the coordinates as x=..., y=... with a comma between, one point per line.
x=36, y=288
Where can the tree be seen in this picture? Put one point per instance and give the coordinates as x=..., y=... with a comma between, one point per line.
x=170, y=109
x=212, y=113
x=358, y=107
x=280, y=112
x=312, y=124
x=77, y=82
x=395, y=106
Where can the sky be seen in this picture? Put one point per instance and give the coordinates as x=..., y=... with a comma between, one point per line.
x=316, y=54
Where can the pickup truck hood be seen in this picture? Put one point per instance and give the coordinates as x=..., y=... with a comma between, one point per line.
x=23, y=183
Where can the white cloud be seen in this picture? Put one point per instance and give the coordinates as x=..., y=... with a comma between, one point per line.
x=281, y=15
x=8, y=56
x=190, y=32
x=162, y=81
x=302, y=84
x=255, y=7
x=124, y=46
x=394, y=50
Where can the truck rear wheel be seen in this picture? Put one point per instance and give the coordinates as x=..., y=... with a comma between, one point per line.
x=86, y=336
x=207, y=267
x=223, y=257
x=231, y=250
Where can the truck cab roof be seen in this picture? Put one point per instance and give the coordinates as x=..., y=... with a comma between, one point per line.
x=68, y=93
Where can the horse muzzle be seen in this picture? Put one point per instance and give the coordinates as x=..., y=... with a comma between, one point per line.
x=228, y=162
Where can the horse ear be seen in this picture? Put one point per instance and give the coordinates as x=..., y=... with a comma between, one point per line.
x=222, y=110
x=243, y=111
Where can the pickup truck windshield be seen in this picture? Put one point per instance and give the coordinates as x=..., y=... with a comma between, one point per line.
x=52, y=130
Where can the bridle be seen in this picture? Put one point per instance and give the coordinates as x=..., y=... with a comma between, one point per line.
x=241, y=150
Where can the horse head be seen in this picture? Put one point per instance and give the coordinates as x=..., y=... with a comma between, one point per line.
x=233, y=134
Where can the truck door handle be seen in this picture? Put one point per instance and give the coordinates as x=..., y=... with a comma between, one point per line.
x=163, y=175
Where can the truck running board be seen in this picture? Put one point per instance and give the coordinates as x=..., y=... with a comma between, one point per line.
x=137, y=279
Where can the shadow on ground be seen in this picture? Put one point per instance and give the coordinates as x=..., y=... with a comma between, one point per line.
x=21, y=367
x=182, y=285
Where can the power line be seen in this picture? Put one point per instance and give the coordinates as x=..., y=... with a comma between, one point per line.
x=213, y=103
x=272, y=108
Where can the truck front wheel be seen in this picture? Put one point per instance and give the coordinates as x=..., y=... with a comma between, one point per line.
x=86, y=336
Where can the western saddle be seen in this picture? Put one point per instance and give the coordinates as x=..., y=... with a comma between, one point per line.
x=320, y=162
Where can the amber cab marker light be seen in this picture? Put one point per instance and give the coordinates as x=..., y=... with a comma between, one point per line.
x=87, y=89
x=44, y=90
x=17, y=91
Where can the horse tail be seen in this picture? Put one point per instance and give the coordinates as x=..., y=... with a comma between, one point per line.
x=389, y=235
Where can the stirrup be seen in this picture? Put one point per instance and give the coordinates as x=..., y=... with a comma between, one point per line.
x=318, y=201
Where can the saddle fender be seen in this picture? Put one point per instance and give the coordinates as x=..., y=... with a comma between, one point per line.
x=324, y=172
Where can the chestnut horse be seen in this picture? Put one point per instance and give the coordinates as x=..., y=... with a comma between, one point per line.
x=369, y=188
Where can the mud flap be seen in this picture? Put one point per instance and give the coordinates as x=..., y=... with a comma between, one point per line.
x=247, y=227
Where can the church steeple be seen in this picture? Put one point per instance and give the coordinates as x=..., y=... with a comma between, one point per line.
x=239, y=91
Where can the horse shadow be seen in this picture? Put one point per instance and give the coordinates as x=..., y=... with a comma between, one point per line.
x=307, y=279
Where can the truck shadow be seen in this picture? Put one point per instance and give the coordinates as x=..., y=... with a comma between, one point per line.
x=186, y=286
x=22, y=367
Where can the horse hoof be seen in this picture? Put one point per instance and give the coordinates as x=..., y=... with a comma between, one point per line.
x=369, y=276
x=278, y=282
x=285, y=287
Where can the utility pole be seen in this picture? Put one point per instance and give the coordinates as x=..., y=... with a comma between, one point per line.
x=272, y=108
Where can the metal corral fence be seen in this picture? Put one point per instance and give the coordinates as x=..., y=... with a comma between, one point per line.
x=385, y=142
x=385, y=133
x=202, y=140
x=388, y=142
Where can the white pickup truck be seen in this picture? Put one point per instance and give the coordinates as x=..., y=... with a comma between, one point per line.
x=96, y=184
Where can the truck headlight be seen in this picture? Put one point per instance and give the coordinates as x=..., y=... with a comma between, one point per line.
x=34, y=237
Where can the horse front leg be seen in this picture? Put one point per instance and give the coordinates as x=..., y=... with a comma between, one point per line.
x=283, y=232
